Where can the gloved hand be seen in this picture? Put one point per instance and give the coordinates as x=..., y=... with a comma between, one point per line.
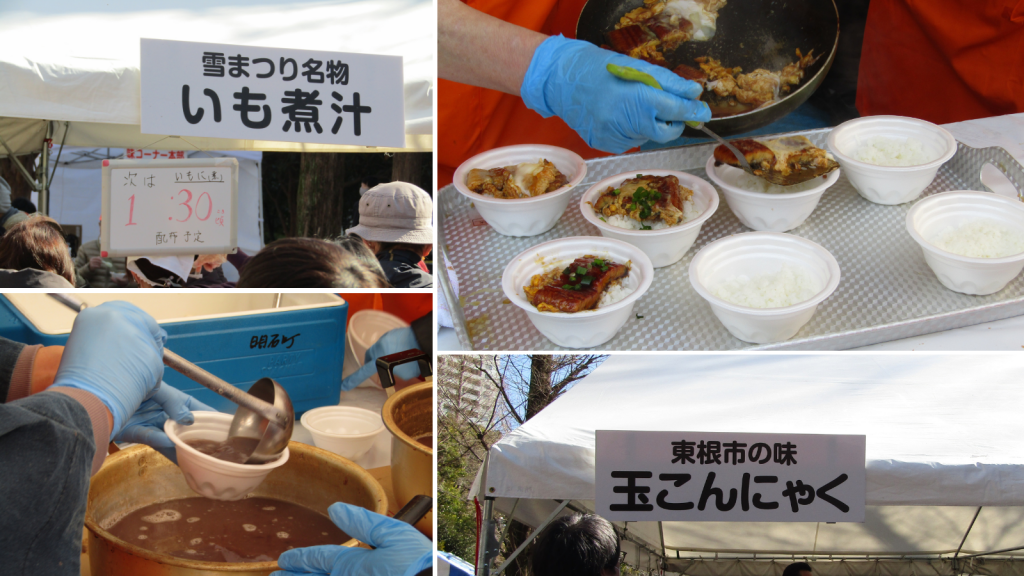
x=115, y=352
x=146, y=425
x=401, y=549
x=569, y=78
x=397, y=340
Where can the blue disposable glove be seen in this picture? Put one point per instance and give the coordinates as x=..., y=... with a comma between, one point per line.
x=569, y=78
x=401, y=549
x=115, y=352
x=397, y=340
x=146, y=425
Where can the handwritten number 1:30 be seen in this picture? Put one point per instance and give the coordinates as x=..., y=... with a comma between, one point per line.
x=186, y=204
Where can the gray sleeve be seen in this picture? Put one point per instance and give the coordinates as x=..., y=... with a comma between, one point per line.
x=46, y=454
x=9, y=352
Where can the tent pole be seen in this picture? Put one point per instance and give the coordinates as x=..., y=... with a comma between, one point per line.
x=44, y=167
x=483, y=561
x=961, y=546
x=10, y=154
x=511, y=516
x=533, y=535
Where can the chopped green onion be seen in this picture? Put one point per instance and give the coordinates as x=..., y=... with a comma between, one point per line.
x=566, y=286
x=598, y=262
x=567, y=270
x=586, y=280
x=581, y=270
x=601, y=218
x=645, y=227
x=616, y=192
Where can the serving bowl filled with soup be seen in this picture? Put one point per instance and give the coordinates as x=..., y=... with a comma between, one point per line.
x=244, y=539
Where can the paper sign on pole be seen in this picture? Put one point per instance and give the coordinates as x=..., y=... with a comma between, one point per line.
x=729, y=477
x=276, y=94
x=165, y=207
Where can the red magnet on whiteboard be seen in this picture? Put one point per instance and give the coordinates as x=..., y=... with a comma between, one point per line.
x=106, y=162
x=103, y=253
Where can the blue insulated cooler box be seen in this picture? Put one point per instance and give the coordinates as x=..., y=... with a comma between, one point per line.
x=238, y=337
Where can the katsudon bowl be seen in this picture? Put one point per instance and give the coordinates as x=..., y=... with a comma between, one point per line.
x=587, y=328
x=522, y=216
x=664, y=246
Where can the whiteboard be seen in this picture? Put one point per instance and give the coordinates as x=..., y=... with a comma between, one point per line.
x=169, y=207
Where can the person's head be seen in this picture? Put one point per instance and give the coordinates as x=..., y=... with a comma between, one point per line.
x=308, y=263
x=576, y=545
x=355, y=246
x=37, y=243
x=369, y=182
x=24, y=204
x=797, y=569
x=395, y=213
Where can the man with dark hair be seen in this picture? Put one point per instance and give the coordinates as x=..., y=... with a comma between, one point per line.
x=797, y=569
x=576, y=545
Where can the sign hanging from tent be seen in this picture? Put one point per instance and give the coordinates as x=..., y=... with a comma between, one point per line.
x=275, y=94
x=165, y=207
x=729, y=477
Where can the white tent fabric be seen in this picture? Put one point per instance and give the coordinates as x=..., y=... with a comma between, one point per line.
x=73, y=61
x=75, y=193
x=943, y=438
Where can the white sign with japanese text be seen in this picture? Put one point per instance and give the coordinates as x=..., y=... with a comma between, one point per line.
x=164, y=207
x=277, y=94
x=729, y=477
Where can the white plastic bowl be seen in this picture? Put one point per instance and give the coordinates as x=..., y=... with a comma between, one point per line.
x=523, y=216
x=207, y=475
x=347, y=431
x=668, y=245
x=890, y=184
x=978, y=276
x=363, y=330
x=581, y=329
x=767, y=212
x=754, y=254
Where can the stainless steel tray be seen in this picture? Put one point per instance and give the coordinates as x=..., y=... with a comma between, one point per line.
x=887, y=291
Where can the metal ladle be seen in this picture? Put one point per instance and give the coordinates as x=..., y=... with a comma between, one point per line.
x=264, y=413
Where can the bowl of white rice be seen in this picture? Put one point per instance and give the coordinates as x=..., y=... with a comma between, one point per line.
x=766, y=207
x=972, y=241
x=522, y=216
x=587, y=328
x=664, y=245
x=764, y=286
x=890, y=159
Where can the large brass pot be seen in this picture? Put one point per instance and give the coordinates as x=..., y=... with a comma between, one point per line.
x=138, y=476
x=410, y=414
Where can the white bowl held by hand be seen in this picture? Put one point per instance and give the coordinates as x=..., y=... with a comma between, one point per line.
x=522, y=216
x=667, y=245
x=890, y=184
x=758, y=253
x=580, y=329
x=210, y=477
x=936, y=214
x=347, y=431
x=767, y=212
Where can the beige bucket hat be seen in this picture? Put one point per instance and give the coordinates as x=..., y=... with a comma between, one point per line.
x=396, y=212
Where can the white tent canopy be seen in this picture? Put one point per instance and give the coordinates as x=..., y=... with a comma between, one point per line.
x=77, y=64
x=943, y=439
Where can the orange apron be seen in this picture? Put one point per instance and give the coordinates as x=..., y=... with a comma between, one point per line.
x=942, y=60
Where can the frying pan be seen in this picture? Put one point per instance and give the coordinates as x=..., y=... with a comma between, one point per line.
x=751, y=34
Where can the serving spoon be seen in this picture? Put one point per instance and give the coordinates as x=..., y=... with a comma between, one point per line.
x=803, y=174
x=265, y=413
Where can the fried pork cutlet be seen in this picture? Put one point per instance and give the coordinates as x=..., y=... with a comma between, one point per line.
x=783, y=155
x=646, y=198
x=519, y=181
x=576, y=288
